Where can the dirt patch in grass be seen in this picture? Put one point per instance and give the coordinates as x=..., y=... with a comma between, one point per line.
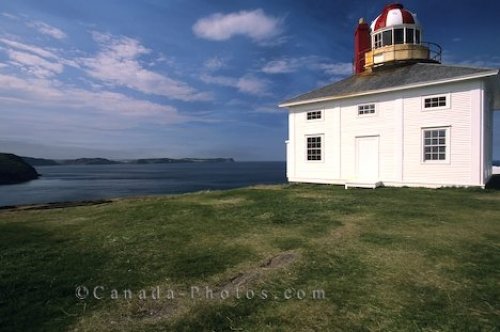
x=281, y=260
x=350, y=227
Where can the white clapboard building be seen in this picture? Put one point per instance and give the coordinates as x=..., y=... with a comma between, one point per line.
x=402, y=118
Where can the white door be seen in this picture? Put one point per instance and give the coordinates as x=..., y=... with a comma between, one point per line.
x=367, y=158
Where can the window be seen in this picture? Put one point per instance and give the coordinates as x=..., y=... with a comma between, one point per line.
x=314, y=148
x=409, y=36
x=366, y=109
x=313, y=115
x=399, y=36
x=435, y=102
x=387, y=37
x=417, y=36
x=435, y=144
x=378, y=40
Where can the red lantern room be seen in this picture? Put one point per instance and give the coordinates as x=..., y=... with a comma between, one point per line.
x=394, y=37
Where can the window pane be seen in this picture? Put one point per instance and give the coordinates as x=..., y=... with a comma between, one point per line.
x=313, y=148
x=398, y=36
x=409, y=36
x=417, y=36
x=366, y=109
x=435, y=102
x=434, y=147
x=378, y=40
x=387, y=37
x=313, y=115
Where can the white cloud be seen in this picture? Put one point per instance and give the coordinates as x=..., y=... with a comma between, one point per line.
x=252, y=85
x=219, y=80
x=47, y=29
x=315, y=63
x=254, y=24
x=214, y=63
x=49, y=93
x=247, y=84
x=117, y=63
x=30, y=48
x=279, y=67
x=34, y=64
x=12, y=17
x=47, y=62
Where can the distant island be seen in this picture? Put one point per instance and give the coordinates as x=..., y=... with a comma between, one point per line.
x=13, y=169
x=104, y=161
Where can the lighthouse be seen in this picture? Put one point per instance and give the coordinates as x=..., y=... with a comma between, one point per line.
x=394, y=37
x=402, y=118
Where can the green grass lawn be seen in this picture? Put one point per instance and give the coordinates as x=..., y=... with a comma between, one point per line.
x=386, y=259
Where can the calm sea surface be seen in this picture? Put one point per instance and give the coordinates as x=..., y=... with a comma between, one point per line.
x=88, y=182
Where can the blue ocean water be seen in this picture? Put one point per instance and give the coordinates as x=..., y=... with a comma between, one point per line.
x=90, y=182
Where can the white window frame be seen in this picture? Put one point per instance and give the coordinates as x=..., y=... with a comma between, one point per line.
x=447, y=130
x=322, y=148
x=320, y=118
x=367, y=114
x=447, y=96
x=377, y=40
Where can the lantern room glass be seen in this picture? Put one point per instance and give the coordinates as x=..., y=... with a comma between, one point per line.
x=396, y=35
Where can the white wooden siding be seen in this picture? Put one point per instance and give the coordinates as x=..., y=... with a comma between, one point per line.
x=398, y=122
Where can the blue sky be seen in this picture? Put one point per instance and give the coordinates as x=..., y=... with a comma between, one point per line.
x=191, y=78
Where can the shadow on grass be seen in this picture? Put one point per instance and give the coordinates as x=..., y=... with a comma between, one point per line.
x=39, y=274
x=41, y=267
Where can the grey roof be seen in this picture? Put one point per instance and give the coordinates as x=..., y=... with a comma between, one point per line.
x=387, y=78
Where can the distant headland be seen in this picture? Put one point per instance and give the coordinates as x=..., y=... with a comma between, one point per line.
x=13, y=169
x=16, y=169
x=104, y=161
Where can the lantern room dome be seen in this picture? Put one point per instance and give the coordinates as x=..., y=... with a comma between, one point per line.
x=393, y=15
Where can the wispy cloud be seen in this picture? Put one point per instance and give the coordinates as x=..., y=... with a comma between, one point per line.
x=255, y=24
x=34, y=64
x=214, y=63
x=282, y=66
x=10, y=16
x=247, y=84
x=117, y=63
x=49, y=93
x=336, y=69
x=314, y=63
x=252, y=85
x=30, y=48
x=47, y=29
x=41, y=62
